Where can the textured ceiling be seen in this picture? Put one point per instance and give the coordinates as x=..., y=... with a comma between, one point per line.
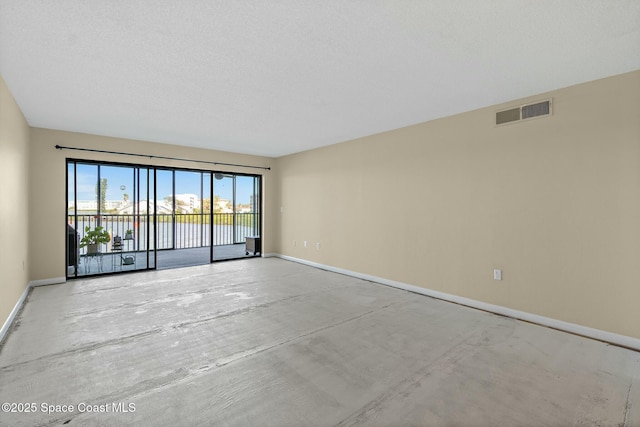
x=278, y=77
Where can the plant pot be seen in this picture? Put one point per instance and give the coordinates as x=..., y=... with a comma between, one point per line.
x=92, y=248
x=128, y=236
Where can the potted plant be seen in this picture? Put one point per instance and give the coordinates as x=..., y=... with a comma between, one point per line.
x=92, y=238
x=128, y=235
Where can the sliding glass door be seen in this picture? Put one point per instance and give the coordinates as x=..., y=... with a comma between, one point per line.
x=183, y=213
x=128, y=217
x=236, y=216
x=109, y=226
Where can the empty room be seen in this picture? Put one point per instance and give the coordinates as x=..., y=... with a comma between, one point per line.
x=337, y=213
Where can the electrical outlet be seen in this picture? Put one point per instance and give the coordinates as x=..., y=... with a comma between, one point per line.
x=318, y=246
x=305, y=243
x=497, y=274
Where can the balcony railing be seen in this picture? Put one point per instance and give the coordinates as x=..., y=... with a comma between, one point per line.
x=179, y=231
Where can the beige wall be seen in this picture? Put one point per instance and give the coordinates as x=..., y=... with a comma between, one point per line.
x=553, y=202
x=14, y=210
x=47, y=173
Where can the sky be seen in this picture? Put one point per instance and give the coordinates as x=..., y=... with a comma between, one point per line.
x=120, y=181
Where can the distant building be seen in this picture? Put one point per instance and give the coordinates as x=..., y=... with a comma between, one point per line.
x=223, y=206
x=187, y=202
x=163, y=207
x=92, y=205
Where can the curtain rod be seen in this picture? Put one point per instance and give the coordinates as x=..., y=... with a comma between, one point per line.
x=150, y=156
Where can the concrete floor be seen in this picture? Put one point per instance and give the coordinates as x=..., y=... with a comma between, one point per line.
x=267, y=342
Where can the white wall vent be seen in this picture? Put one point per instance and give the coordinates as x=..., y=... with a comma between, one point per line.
x=524, y=112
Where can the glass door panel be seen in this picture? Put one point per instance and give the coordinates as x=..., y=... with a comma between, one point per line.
x=190, y=232
x=141, y=233
x=236, y=216
x=147, y=228
x=188, y=210
x=73, y=236
x=163, y=209
x=86, y=218
x=108, y=217
x=246, y=208
x=205, y=210
x=223, y=218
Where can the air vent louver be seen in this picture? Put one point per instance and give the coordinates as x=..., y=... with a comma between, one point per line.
x=507, y=116
x=535, y=110
x=524, y=112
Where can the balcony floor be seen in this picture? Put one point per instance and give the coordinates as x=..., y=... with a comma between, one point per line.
x=167, y=258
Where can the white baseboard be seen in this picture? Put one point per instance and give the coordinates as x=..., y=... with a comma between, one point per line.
x=45, y=282
x=23, y=297
x=14, y=313
x=609, y=337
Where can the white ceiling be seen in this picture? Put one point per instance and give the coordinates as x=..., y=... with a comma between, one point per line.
x=278, y=77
